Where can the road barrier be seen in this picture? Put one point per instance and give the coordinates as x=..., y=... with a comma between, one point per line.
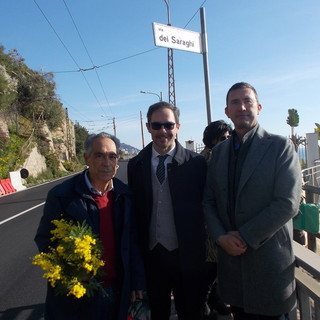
x=2, y=191
x=6, y=186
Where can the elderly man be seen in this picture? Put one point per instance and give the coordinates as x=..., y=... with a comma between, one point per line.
x=105, y=203
x=252, y=193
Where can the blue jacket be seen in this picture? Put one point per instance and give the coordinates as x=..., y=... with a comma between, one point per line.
x=72, y=199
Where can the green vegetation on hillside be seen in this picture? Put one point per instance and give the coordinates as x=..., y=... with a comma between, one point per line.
x=81, y=134
x=27, y=92
x=28, y=100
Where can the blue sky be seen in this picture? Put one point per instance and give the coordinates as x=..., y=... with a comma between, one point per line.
x=274, y=45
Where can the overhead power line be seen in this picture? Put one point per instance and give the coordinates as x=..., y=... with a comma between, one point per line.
x=56, y=34
x=94, y=67
x=195, y=13
x=108, y=63
x=44, y=15
x=87, y=51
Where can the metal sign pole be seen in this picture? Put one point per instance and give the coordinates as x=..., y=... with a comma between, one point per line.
x=205, y=62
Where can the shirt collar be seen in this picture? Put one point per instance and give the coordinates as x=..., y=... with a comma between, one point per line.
x=92, y=189
x=247, y=136
x=155, y=153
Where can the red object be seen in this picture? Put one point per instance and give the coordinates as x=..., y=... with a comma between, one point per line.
x=7, y=186
x=107, y=236
x=2, y=191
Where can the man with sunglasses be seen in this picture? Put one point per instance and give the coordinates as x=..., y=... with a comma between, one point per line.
x=170, y=217
x=252, y=193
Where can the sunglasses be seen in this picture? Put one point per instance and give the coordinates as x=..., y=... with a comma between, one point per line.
x=158, y=125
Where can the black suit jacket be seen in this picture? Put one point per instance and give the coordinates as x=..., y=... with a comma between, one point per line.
x=186, y=175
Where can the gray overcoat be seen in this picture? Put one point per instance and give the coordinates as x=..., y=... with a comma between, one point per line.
x=262, y=279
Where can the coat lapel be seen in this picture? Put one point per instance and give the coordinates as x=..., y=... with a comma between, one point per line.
x=222, y=167
x=258, y=148
x=145, y=175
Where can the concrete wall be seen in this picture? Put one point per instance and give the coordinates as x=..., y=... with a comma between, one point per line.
x=312, y=149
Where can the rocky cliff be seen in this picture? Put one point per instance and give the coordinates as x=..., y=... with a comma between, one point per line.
x=41, y=142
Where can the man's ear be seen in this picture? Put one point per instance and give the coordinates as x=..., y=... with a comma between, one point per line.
x=226, y=111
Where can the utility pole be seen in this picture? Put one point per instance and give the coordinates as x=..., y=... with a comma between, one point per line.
x=114, y=126
x=141, y=124
x=69, y=137
x=171, y=83
x=113, y=123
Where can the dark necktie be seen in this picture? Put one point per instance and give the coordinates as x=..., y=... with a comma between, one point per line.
x=161, y=171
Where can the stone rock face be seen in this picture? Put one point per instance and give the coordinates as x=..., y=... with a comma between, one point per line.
x=64, y=141
x=4, y=132
x=35, y=163
x=59, y=142
x=46, y=137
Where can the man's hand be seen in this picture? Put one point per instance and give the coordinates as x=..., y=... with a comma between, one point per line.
x=136, y=295
x=232, y=243
x=237, y=235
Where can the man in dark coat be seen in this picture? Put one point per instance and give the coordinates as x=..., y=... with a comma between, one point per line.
x=168, y=182
x=252, y=193
x=105, y=203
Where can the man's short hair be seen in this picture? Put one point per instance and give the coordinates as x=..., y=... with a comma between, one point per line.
x=242, y=85
x=90, y=139
x=213, y=131
x=163, y=105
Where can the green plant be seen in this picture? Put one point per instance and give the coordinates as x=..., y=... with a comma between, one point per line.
x=81, y=134
x=293, y=119
x=10, y=154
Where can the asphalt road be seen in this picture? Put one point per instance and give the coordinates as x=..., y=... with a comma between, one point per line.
x=22, y=288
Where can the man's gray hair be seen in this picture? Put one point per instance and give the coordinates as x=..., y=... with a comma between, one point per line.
x=89, y=141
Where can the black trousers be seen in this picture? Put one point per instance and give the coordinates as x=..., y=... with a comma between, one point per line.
x=165, y=275
x=239, y=314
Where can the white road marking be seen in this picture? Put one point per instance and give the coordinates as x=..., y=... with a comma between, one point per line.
x=21, y=213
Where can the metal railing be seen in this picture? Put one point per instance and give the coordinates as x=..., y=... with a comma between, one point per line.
x=311, y=176
x=307, y=275
x=307, y=271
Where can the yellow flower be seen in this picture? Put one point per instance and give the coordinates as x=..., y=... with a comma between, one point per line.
x=88, y=266
x=75, y=260
x=44, y=260
x=62, y=229
x=60, y=250
x=53, y=275
x=83, y=247
x=78, y=290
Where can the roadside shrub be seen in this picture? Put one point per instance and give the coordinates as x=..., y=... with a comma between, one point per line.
x=10, y=151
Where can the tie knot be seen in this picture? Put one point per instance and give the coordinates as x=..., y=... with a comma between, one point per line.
x=163, y=157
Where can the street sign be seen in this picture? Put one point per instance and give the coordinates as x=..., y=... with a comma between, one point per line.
x=176, y=38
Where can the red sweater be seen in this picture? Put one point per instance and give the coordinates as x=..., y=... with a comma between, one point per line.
x=107, y=236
